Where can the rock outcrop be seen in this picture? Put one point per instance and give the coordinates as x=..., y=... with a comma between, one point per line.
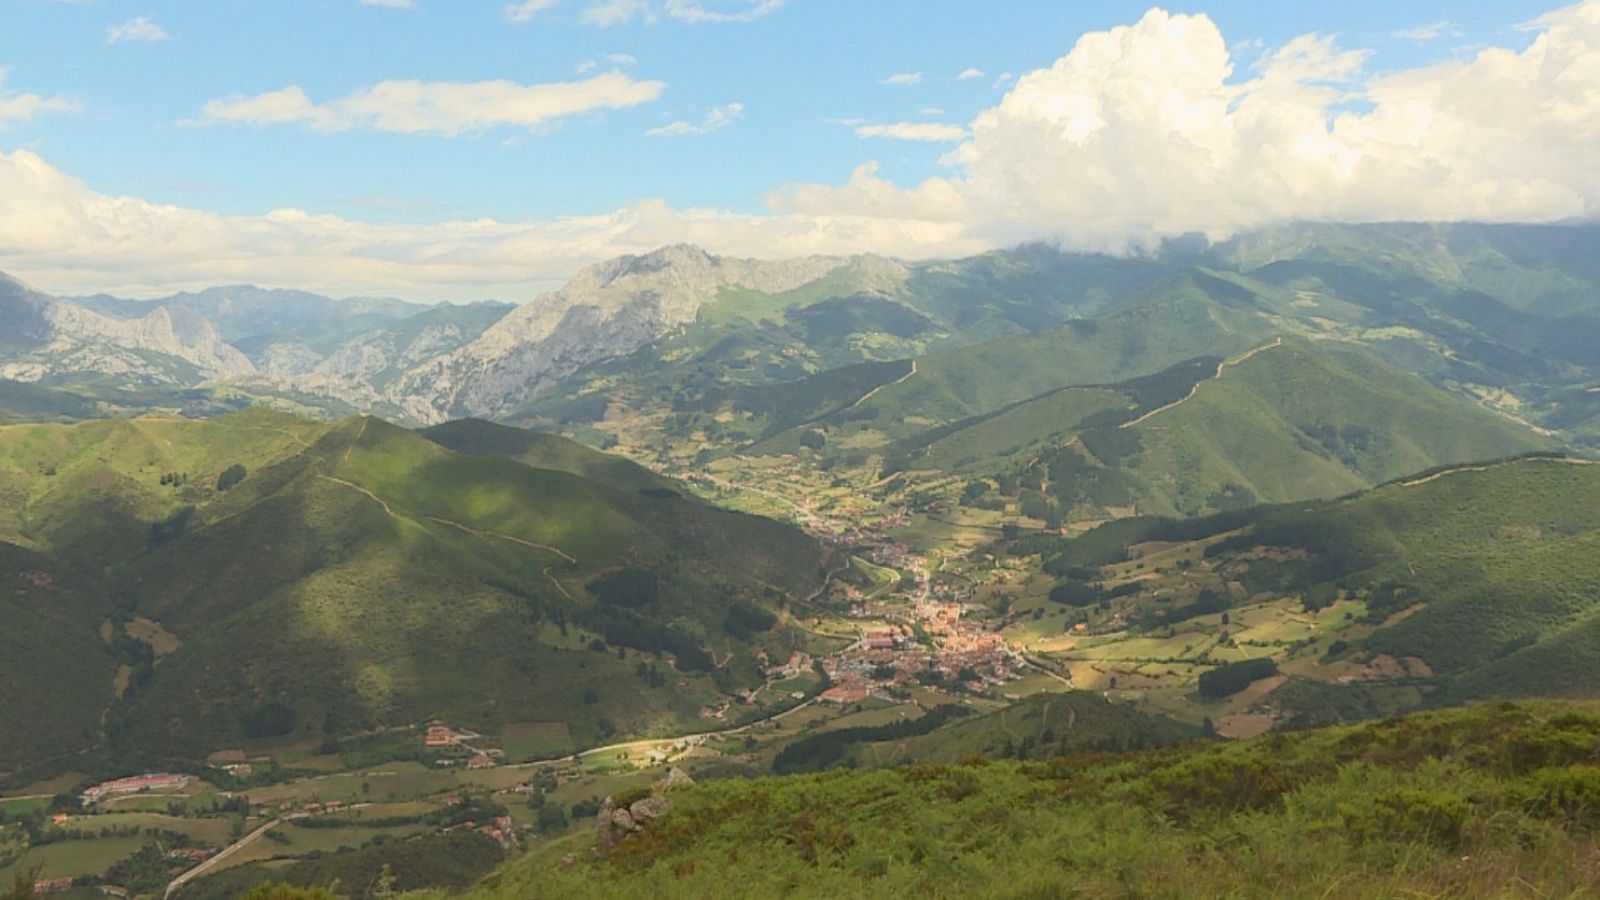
x=607, y=310
x=623, y=814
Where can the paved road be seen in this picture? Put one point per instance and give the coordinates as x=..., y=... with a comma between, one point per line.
x=227, y=851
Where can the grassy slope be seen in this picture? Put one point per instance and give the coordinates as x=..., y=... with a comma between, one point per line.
x=55, y=672
x=1045, y=724
x=1502, y=560
x=1307, y=419
x=1177, y=320
x=1465, y=803
x=475, y=437
x=299, y=585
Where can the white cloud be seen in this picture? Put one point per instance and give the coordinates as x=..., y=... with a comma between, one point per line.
x=67, y=239
x=969, y=74
x=719, y=117
x=437, y=107
x=742, y=11
x=614, y=59
x=933, y=132
x=140, y=29
x=902, y=78
x=525, y=10
x=23, y=107
x=607, y=13
x=1143, y=132
x=930, y=111
x=1424, y=33
x=1135, y=134
x=392, y=4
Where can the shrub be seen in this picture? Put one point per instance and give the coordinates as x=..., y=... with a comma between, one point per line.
x=1410, y=814
x=1570, y=794
x=230, y=476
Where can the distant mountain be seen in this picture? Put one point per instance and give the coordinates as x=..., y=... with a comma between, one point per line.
x=695, y=343
x=606, y=311
x=373, y=577
x=53, y=338
x=244, y=314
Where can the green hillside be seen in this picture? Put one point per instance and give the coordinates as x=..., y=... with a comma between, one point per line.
x=1038, y=726
x=1491, y=801
x=327, y=579
x=1496, y=567
x=1289, y=419
x=56, y=672
x=1179, y=319
x=541, y=450
x=23, y=401
x=1472, y=582
x=1302, y=419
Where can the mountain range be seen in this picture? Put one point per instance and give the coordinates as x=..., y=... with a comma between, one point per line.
x=1505, y=314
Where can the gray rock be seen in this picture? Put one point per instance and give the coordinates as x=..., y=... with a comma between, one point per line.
x=649, y=810
x=676, y=778
x=623, y=820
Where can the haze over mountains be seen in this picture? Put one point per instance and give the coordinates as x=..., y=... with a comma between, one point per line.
x=1505, y=313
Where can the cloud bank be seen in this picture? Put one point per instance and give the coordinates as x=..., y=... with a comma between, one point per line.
x=1135, y=134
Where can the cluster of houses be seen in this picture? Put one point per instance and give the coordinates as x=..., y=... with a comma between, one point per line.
x=439, y=736
x=501, y=829
x=561, y=774
x=893, y=656
x=135, y=784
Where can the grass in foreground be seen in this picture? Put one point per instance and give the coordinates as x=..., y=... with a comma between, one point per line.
x=1497, y=800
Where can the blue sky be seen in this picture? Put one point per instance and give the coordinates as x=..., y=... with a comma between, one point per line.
x=792, y=83
x=792, y=70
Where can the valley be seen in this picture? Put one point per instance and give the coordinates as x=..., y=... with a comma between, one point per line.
x=831, y=513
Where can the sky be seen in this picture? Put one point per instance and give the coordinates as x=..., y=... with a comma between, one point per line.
x=464, y=150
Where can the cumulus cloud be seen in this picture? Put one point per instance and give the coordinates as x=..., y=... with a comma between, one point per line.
x=437, y=107
x=1143, y=132
x=969, y=74
x=140, y=29
x=22, y=107
x=902, y=78
x=64, y=238
x=523, y=10
x=718, y=117
x=933, y=132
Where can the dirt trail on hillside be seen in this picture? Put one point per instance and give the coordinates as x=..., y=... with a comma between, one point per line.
x=868, y=395
x=353, y=486
x=506, y=537
x=1484, y=468
x=1276, y=342
x=454, y=524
